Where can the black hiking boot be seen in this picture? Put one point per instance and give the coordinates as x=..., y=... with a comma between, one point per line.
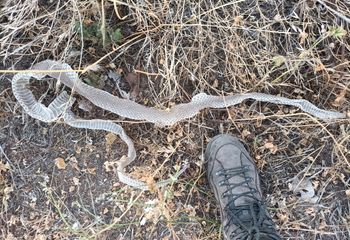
x=234, y=179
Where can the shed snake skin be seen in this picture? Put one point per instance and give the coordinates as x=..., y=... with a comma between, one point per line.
x=60, y=109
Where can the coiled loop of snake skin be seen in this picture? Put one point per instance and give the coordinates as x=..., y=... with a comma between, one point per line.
x=60, y=108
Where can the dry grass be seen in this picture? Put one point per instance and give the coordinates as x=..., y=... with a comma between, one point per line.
x=296, y=48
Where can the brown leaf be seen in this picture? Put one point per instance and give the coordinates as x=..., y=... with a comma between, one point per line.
x=74, y=163
x=78, y=149
x=151, y=184
x=110, y=166
x=60, y=163
x=10, y=237
x=4, y=167
x=340, y=98
x=134, y=81
x=245, y=133
x=110, y=138
x=323, y=225
x=283, y=217
x=238, y=21
x=302, y=37
x=91, y=171
x=40, y=237
x=272, y=147
x=105, y=210
x=6, y=196
x=119, y=71
x=347, y=192
x=88, y=21
x=320, y=67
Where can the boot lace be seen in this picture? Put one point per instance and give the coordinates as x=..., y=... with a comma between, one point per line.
x=251, y=218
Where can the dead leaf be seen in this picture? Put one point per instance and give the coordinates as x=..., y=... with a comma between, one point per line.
x=320, y=67
x=94, y=68
x=110, y=166
x=91, y=50
x=152, y=212
x=279, y=60
x=4, y=167
x=238, y=21
x=78, y=149
x=310, y=211
x=277, y=17
x=88, y=21
x=71, y=189
x=167, y=150
x=111, y=65
x=272, y=147
x=6, y=197
x=76, y=181
x=133, y=80
x=10, y=237
x=91, y=171
x=305, y=188
x=60, y=163
x=283, y=217
x=74, y=163
x=323, y=225
x=119, y=71
x=40, y=237
x=151, y=184
x=13, y=220
x=347, y=192
x=190, y=210
x=302, y=37
x=110, y=138
x=105, y=210
x=340, y=98
x=245, y=133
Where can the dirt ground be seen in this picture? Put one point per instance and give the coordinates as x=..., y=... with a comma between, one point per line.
x=59, y=182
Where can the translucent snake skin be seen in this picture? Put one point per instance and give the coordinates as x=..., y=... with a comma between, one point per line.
x=60, y=108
